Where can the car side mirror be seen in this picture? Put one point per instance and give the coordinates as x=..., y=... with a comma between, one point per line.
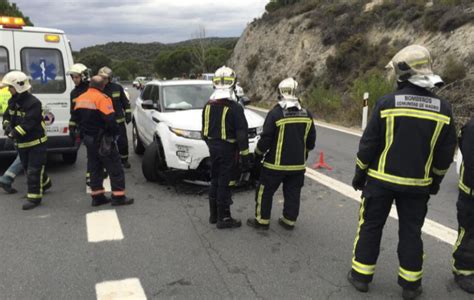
x=148, y=104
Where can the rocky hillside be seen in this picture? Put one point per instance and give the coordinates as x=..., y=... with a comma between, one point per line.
x=337, y=50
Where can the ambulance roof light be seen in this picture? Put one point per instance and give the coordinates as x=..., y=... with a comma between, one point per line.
x=12, y=22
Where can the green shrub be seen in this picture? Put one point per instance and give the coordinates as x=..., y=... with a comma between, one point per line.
x=453, y=70
x=324, y=102
x=252, y=63
x=374, y=83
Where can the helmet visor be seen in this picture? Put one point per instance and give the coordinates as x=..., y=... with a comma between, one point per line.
x=224, y=81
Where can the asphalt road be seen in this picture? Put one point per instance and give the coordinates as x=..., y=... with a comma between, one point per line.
x=171, y=249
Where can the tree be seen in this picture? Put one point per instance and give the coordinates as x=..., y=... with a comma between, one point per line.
x=174, y=63
x=11, y=10
x=199, y=49
x=217, y=57
x=122, y=73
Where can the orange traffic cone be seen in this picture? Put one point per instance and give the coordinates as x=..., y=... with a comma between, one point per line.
x=321, y=163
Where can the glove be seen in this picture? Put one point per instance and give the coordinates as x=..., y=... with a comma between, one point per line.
x=8, y=130
x=128, y=117
x=360, y=178
x=245, y=163
x=434, y=188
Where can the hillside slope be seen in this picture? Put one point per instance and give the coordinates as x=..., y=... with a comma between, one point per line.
x=338, y=49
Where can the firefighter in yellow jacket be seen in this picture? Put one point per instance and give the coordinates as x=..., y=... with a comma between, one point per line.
x=403, y=156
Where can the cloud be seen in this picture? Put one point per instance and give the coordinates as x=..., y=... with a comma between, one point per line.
x=90, y=22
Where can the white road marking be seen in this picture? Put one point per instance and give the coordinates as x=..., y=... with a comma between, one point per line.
x=342, y=129
x=127, y=289
x=107, y=186
x=103, y=226
x=430, y=227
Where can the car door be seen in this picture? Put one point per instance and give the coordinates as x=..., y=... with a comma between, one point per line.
x=144, y=121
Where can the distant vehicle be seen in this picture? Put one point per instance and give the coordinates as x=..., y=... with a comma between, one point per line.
x=167, y=129
x=207, y=76
x=138, y=81
x=44, y=55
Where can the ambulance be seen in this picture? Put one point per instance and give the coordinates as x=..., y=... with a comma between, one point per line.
x=44, y=55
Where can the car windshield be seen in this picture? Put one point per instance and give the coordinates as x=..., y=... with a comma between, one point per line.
x=183, y=97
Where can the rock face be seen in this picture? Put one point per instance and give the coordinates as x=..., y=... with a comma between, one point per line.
x=268, y=52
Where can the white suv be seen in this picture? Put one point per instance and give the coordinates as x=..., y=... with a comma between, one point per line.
x=167, y=128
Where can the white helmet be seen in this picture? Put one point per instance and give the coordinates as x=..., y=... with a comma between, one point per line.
x=224, y=78
x=287, y=89
x=224, y=82
x=105, y=72
x=414, y=63
x=18, y=80
x=80, y=69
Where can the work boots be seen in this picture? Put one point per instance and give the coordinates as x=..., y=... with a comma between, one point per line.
x=31, y=203
x=252, y=222
x=100, y=200
x=122, y=200
x=126, y=164
x=361, y=286
x=212, y=210
x=409, y=294
x=465, y=282
x=225, y=220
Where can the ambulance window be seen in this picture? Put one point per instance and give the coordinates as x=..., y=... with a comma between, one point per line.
x=45, y=68
x=4, y=67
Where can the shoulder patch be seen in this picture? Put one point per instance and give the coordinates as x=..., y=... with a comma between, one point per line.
x=420, y=102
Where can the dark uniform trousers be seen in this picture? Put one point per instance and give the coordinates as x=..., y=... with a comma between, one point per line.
x=96, y=164
x=269, y=182
x=33, y=160
x=122, y=141
x=374, y=211
x=463, y=255
x=224, y=161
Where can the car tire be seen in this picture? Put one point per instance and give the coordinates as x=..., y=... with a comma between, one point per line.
x=138, y=146
x=153, y=164
x=70, y=158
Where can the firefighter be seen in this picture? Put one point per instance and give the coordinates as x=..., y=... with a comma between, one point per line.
x=80, y=75
x=23, y=122
x=288, y=135
x=225, y=131
x=96, y=118
x=463, y=255
x=404, y=153
x=123, y=112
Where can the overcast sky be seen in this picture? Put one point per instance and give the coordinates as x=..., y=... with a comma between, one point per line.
x=91, y=22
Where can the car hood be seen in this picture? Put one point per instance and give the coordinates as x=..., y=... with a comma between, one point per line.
x=192, y=119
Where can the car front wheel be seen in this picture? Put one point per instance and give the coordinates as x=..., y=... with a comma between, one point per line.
x=153, y=163
x=137, y=142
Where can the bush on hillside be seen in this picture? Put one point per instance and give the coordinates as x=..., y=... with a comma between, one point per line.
x=454, y=70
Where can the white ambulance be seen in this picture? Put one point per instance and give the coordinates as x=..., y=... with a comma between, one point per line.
x=45, y=56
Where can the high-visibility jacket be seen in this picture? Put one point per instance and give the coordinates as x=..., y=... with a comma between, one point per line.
x=94, y=112
x=288, y=135
x=410, y=140
x=225, y=120
x=466, y=143
x=25, y=118
x=4, y=97
x=120, y=101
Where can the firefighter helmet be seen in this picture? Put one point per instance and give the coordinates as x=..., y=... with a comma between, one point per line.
x=414, y=63
x=18, y=80
x=224, y=78
x=105, y=72
x=287, y=89
x=80, y=69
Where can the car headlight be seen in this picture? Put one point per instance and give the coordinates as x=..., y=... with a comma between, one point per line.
x=189, y=134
